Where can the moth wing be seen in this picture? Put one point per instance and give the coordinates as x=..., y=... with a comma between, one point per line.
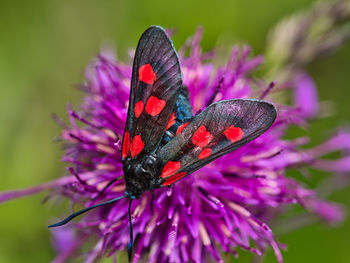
x=219, y=129
x=156, y=80
x=180, y=116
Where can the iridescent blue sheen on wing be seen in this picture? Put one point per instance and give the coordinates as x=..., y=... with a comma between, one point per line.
x=183, y=113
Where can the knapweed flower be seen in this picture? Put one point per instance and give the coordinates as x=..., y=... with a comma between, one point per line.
x=224, y=206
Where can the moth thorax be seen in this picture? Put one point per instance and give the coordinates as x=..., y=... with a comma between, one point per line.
x=141, y=175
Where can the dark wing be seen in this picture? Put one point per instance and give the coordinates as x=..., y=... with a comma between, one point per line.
x=180, y=116
x=221, y=128
x=156, y=80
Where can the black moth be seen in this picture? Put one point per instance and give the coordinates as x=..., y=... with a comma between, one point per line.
x=163, y=142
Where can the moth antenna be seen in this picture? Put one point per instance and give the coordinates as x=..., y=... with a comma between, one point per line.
x=69, y=218
x=131, y=242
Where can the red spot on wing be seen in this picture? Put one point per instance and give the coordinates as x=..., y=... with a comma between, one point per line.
x=146, y=74
x=233, y=133
x=171, y=121
x=126, y=144
x=181, y=127
x=138, y=108
x=174, y=178
x=170, y=168
x=136, y=146
x=204, y=154
x=154, y=106
x=201, y=137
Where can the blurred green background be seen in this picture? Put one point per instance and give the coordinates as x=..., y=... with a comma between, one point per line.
x=44, y=48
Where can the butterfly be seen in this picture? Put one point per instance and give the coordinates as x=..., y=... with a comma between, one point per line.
x=163, y=141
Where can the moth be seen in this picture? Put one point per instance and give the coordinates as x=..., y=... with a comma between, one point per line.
x=163, y=141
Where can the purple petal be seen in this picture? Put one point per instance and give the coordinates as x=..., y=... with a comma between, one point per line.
x=306, y=95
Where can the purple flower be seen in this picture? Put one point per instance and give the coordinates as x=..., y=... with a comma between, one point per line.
x=305, y=95
x=223, y=206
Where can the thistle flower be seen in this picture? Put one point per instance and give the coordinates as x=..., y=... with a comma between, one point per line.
x=226, y=205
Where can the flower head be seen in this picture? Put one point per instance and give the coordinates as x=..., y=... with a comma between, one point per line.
x=223, y=206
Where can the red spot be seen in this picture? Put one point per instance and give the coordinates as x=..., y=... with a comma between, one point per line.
x=174, y=178
x=146, y=74
x=204, y=154
x=201, y=137
x=233, y=133
x=126, y=144
x=136, y=146
x=138, y=108
x=171, y=121
x=154, y=106
x=170, y=168
x=181, y=127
